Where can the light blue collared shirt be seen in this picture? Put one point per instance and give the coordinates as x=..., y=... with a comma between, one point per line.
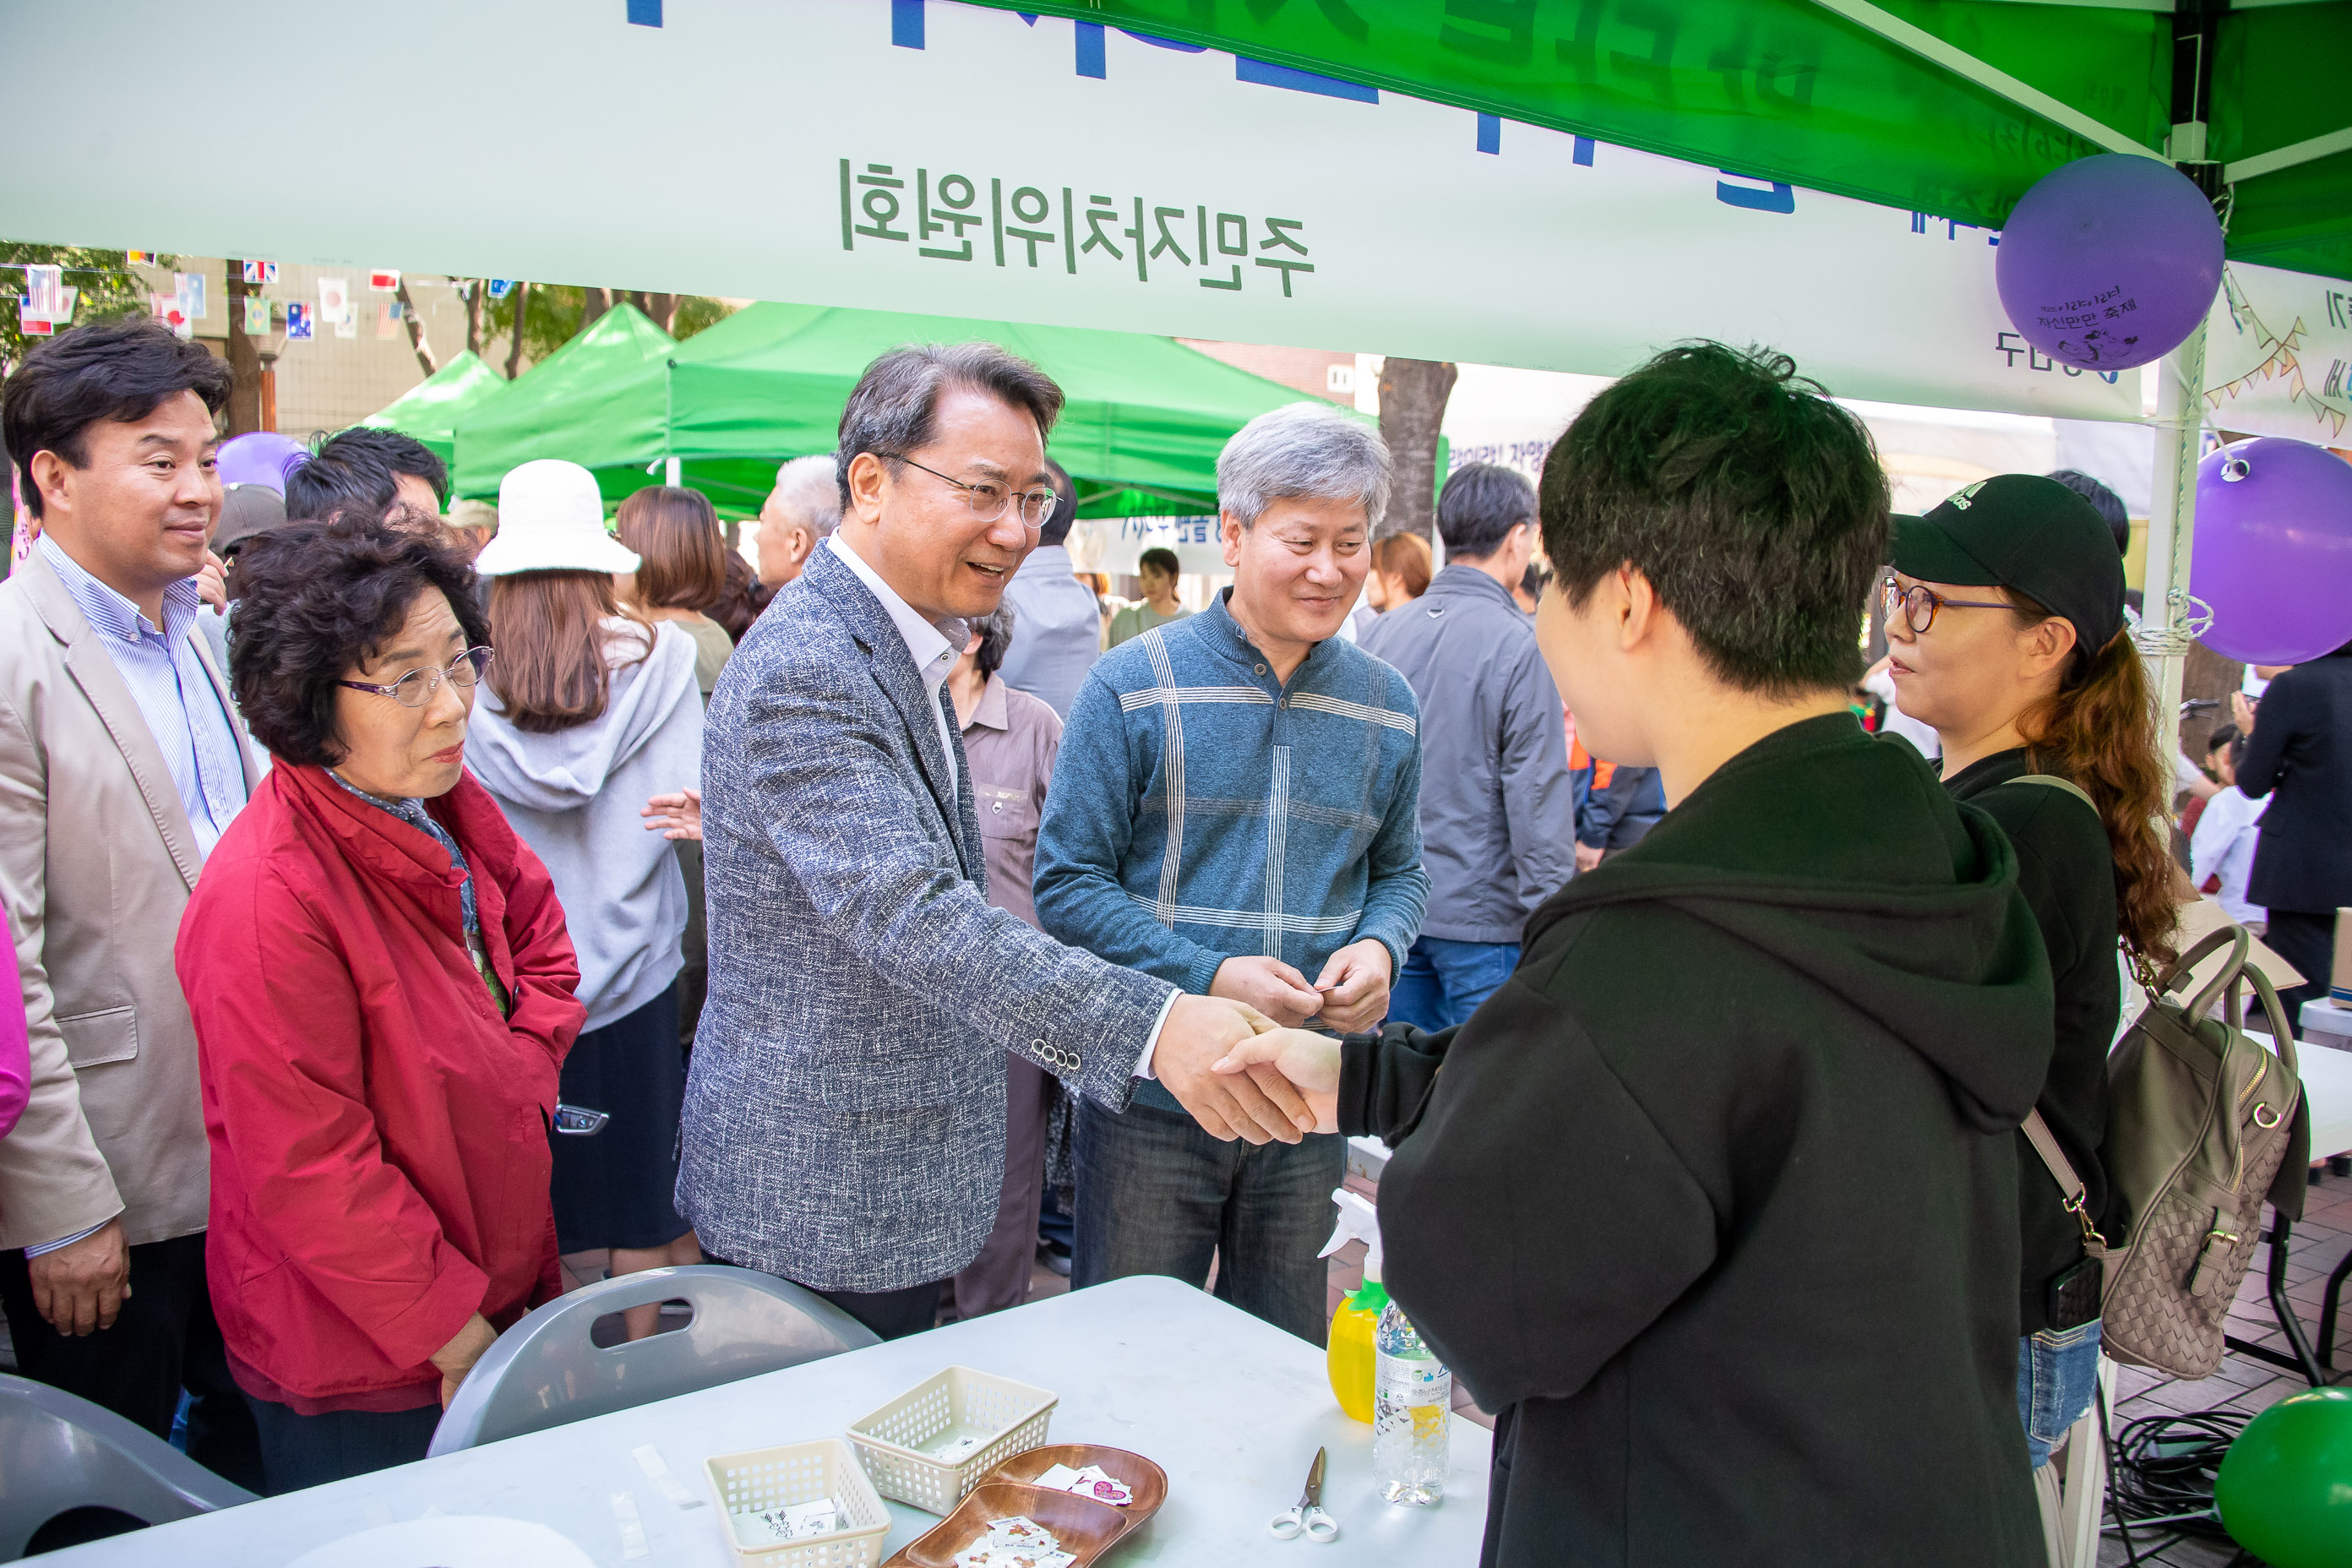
x=175, y=697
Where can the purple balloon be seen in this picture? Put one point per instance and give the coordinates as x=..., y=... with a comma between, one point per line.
x=262, y=457
x=2109, y=261
x=2274, y=550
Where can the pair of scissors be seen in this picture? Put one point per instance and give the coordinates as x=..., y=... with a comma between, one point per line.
x=1308, y=1518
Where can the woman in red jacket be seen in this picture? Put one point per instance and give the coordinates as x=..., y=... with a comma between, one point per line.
x=381, y=989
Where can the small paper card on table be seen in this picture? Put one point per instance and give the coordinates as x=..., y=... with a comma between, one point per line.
x=767, y=1527
x=1094, y=1481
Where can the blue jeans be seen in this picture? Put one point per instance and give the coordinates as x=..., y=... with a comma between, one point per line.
x=1157, y=1195
x=1445, y=980
x=2057, y=1378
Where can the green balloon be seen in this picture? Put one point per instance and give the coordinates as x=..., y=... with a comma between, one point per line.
x=2285, y=1486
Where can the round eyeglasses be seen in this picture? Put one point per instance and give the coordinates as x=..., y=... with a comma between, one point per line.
x=415, y=688
x=988, y=501
x=1916, y=606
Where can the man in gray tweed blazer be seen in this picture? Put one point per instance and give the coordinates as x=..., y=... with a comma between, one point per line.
x=844, y=1113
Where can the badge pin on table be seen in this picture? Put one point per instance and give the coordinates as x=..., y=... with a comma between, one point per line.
x=1308, y=1518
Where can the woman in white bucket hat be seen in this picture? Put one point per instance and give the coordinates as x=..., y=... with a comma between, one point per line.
x=590, y=711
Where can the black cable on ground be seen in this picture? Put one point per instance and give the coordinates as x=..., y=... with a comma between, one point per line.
x=2161, y=1471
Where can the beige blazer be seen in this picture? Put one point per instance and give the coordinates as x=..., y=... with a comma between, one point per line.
x=97, y=859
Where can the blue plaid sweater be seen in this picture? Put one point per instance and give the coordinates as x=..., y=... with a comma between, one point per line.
x=1201, y=810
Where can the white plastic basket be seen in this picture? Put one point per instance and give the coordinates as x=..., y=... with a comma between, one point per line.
x=898, y=1443
x=797, y=1473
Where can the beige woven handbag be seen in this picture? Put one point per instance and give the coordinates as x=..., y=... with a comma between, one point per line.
x=2205, y=1126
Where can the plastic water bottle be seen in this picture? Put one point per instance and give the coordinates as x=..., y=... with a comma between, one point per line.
x=1413, y=1411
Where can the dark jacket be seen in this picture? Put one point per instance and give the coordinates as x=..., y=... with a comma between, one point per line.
x=1620, y=813
x=1497, y=821
x=2302, y=747
x=2067, y=873
x=1715, y=1201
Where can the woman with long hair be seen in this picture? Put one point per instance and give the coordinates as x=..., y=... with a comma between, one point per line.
x=586, y=713
x=2005, y=632
x=681, y=569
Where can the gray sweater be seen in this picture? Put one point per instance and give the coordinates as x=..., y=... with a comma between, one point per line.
x=575, y=796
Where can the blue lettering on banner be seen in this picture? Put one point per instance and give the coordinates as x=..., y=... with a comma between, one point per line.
x=1780, y=198
x=645, y=13
x=906, y=24
x=1265, y=75
x=1090, y=51
x=1584, y=150
x=1490, y=133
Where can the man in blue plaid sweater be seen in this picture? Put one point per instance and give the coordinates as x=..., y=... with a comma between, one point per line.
x=1235, y=809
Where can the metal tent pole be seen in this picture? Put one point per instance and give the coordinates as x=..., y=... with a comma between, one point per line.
x=2170, y=620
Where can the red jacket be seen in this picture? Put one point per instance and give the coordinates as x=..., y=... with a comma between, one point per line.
x=379, y=1134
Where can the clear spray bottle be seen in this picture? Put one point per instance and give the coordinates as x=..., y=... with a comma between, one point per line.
x=1412, y=1393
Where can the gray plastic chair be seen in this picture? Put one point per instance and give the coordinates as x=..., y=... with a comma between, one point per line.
x=545, y=1371
x=59, y=1452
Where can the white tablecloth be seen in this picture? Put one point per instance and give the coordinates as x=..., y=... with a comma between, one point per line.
x=1230, y=1409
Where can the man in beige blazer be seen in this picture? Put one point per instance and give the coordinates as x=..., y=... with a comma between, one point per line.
x=119, y=768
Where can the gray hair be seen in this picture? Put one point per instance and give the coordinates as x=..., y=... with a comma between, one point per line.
x=892, y=409
x=995, y=631
x=807, y=486
x=1307, y=449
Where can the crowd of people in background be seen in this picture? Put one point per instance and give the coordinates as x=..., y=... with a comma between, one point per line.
x=408, y=897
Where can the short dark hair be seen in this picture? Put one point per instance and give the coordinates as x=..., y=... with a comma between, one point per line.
x=315, y=601
x=121, y=369
x=894, y=407
x=355, y=475
x=681, y=555
x=1056, y=527
x=1755, y=506
x=2105, y=502
x=1482, y=502
x=995, y=631
x=2222, y=735
x=1162, y=557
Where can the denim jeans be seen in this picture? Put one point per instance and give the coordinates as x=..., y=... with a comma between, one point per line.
x=1157, y=1195
x=2057, y=1378
x=1444, y=980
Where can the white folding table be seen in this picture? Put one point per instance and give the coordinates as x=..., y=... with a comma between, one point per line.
x=1229, y=1408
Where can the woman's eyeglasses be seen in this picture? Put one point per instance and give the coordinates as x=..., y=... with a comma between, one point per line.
x=415, y=688
x=988, y=501
x=1916, y=606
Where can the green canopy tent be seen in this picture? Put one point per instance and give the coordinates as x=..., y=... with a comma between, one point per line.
x=528, y=414
x=431, y=409
x=1140, y=434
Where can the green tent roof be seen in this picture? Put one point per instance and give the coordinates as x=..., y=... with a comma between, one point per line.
x=1948, y=107
x=431, y=409
x=1140, y=433
x=530, y=412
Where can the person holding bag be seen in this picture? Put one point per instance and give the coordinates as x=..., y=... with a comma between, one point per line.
x=2004, y=614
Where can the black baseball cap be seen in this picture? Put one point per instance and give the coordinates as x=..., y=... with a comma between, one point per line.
x=2028, y=533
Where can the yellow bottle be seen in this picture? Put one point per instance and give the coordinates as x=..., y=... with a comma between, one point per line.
x=1350, y=1352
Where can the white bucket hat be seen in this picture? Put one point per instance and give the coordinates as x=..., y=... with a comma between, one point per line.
x=552, y=518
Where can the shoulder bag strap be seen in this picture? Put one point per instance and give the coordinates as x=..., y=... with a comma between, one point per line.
x=2062, y=1171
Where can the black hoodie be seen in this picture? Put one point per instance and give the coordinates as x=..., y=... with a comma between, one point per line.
x=1715, y=1202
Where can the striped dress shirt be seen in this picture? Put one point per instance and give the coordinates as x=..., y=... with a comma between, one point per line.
x=167, y=679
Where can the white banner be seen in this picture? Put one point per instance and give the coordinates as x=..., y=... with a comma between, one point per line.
x=925, y=155
x=2278, y=353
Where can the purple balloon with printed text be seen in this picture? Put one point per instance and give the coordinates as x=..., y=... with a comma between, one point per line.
x=2109, y=261
x=2273, y=555
x=261, y=457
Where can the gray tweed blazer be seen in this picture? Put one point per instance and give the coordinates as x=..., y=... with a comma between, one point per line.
x=844, y=1111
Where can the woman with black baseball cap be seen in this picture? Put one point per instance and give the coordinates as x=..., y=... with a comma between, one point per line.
x=2005, y=631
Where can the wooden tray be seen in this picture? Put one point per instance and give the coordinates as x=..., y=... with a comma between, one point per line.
x=1083, y=1528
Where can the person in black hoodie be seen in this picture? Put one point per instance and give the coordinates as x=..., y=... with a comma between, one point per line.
x=2004, y=616
x=1715, y=1202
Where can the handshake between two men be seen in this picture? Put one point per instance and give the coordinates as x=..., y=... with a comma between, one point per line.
x=1242, y=1075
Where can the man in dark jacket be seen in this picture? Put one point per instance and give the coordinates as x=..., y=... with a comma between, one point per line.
x=1497, y=820
x=1716, y=1201
x=2299, y=744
